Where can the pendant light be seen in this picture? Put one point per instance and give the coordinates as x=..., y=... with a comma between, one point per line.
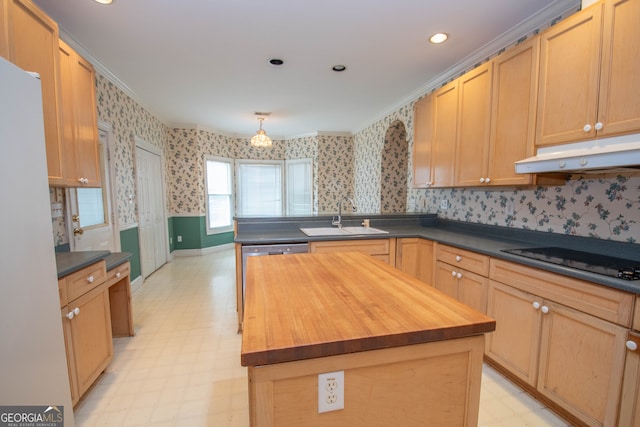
x=261, y=139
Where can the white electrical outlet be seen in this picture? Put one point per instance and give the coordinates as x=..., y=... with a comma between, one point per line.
x=444, y=204
x=330, y=391
x=179, y=239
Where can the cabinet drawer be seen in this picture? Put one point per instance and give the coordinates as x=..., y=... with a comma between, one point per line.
x=460, y=258
x=370, y=247
x=117, y=273
x=82, y=281
x=606, y=303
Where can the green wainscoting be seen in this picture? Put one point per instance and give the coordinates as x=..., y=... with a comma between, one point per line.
x=193, y=230
x=129, y=242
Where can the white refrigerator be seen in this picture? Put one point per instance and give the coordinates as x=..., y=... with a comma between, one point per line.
x=33, y=367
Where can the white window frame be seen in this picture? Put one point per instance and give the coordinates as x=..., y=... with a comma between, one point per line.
x=225, y=229
x=288, y=163
x=239, y=164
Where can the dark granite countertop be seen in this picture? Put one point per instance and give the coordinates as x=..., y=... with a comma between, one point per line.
x=70, y=262
x=485, y=239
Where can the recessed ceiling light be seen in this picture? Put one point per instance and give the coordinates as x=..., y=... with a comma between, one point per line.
x=339, y=68
x=276, y=61
x=104, y=1
x=439, y=38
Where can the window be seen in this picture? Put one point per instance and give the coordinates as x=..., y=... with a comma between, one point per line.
x=299, y=187
x=91, y=206
x=260, y=189
x=219, y=183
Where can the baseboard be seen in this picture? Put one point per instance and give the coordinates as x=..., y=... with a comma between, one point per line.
x=203, y=251
x=136, y=283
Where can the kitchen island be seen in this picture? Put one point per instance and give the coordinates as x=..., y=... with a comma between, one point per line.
x=410, y=354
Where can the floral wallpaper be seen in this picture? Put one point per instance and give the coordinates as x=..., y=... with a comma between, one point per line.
x=128, y=119
x=606, y=207
x=393, y=170
x=335, y=171
x=332, y=165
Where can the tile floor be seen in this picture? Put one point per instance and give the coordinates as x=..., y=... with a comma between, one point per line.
x=183, y=366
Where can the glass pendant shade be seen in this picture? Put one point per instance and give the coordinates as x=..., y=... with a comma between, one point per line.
x=261, y=139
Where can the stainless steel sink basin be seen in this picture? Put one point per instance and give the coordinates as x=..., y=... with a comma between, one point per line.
x=344, y=231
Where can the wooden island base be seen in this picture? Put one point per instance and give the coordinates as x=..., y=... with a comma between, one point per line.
x=436, y=383
x=411, y=355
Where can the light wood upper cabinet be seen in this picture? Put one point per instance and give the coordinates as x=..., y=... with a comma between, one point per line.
x=81, y=165
x=445, y=119
x=29, y=39
x=422, y=140
x=513, y=113
x=473, y=127
x=588, y=81
x=618, y=106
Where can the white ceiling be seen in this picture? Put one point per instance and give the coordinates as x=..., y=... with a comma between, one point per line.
x=205, y=62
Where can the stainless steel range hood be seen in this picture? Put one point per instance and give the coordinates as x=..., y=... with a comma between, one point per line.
x=621, y=153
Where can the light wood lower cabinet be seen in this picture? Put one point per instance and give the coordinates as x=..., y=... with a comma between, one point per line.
x=463, y=275
x=88, y=340
x=382, y=249
x=630, y=402
x=571, y=357
x=95, y=307
x=415, y=256
x=466, y=287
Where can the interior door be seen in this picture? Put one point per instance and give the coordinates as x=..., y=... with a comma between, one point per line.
x=91, y=222
x=150, y=211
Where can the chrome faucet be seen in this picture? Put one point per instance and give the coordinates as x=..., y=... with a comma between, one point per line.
x=338, y=222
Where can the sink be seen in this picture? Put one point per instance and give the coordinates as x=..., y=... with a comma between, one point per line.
x=344, y=231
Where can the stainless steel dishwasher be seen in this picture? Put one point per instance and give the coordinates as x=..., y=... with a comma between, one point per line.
x=262, y=250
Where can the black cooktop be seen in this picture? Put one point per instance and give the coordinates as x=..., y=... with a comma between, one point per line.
x=593, y=263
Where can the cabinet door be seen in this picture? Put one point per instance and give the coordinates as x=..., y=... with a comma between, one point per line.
x=569, y=75
x=415, y=257
x=618, y=106
x=33, y=46
x=515, y=342
x=581, y=364
x=472, y=290
x=445, y=118
x=81, y=164
x=71, y=362
x=67, y=126
x=630, y=400
x=445, y=279
x=513, y=112
x=91, y=336
x=382, y=249
x=422, y=138
x=472, y=136
x=86, y=122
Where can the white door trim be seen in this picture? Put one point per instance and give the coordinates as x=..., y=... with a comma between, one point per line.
x=113, y=193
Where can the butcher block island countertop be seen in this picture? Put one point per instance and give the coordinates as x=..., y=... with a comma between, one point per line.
x=409, y=353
